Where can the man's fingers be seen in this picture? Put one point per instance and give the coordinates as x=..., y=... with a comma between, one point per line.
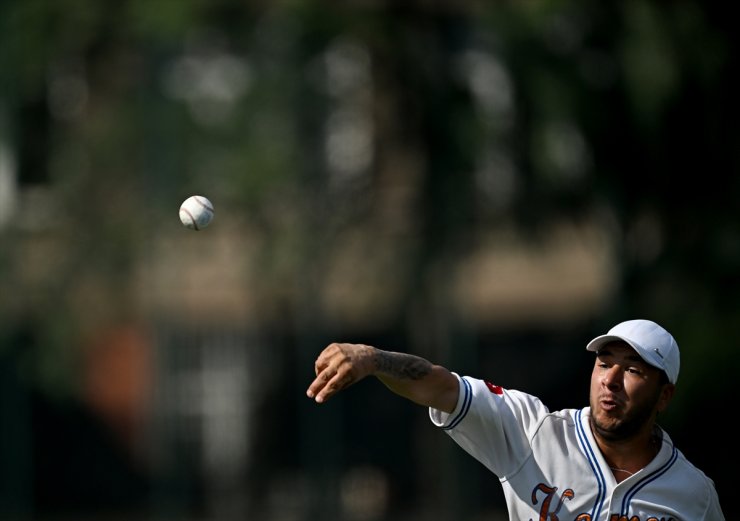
x=328, y=383
x=336, y=368
x=326, y=357
x=324, y=374
x=319, y=366
x=333, y=385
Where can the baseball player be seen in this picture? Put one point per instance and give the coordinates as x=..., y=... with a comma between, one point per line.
x=606, y=462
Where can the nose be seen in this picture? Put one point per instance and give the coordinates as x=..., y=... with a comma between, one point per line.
x=613, y=377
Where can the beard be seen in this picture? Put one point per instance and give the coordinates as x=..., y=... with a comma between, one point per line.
x=621, y=429
x=624, y=427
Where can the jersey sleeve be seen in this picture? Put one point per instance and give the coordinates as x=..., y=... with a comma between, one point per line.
x=714, y=510
x=492, y=424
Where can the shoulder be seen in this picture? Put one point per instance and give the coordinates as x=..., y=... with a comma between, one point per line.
x=683, y=464
x=692, y=473
x=487, y=391
x=689, y=480
x=519, y=406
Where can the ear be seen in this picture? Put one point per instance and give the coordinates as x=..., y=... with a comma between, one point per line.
x=666, y=394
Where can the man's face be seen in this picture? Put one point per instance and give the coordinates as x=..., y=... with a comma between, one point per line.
x=626, y=392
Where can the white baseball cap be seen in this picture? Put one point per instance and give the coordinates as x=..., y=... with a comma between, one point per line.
x=654, y=344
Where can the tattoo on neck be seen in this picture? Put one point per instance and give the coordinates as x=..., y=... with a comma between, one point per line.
x=401, y=365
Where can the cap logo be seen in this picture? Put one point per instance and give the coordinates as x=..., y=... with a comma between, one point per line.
x=657, y=350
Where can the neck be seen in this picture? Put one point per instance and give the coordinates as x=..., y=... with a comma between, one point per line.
x=627, y=456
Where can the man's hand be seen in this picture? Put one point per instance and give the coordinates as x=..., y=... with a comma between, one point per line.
x=338, y=366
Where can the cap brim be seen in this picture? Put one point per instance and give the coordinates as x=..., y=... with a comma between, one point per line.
x=600, y=341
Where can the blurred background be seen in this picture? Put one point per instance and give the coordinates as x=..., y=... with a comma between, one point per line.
x=488, y=185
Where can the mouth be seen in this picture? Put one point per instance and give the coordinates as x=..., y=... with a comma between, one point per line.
x=609, y=403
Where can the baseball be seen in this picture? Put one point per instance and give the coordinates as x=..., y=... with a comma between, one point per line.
x=196, y=212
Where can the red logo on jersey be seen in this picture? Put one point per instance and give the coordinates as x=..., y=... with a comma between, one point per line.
x=495, y=389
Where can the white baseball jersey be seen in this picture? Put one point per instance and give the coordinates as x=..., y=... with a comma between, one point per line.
x=551, y=469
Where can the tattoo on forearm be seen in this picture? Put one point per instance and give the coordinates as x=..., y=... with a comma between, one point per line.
x=401, y=365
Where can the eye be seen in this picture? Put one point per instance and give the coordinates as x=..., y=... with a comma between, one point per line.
x=635, y=370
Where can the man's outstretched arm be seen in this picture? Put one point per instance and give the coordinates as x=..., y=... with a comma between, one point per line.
x=341, y=365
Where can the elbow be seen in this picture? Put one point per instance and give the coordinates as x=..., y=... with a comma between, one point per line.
x=446, y=398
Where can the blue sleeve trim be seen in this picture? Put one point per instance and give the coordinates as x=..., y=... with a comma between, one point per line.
x=467, y=400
